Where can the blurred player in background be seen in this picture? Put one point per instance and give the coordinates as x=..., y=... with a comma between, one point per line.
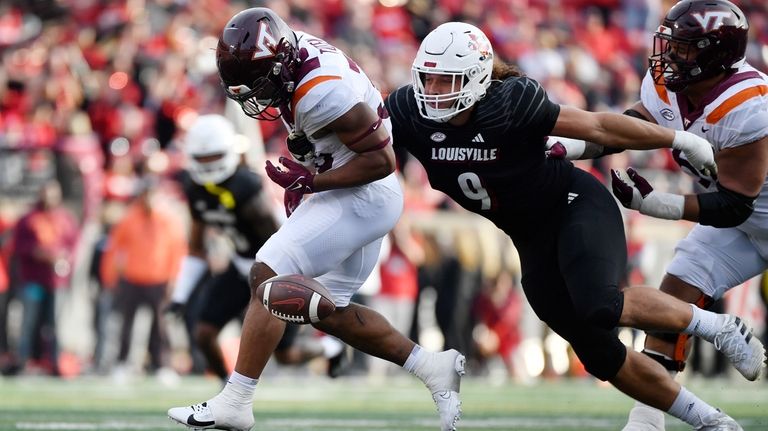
x=222, y=193
x=341, y=136
x=479, y=129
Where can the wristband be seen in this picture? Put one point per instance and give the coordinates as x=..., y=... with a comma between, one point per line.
x=663, y=205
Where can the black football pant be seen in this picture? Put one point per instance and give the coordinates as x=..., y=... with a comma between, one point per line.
x=572, y=268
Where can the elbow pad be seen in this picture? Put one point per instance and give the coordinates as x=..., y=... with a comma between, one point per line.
x=724, y=208
x=632, y=113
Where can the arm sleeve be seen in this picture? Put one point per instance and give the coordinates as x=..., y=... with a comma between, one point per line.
x=191, y=270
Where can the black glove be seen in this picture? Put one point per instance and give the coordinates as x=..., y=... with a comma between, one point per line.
x=300, y=148
x=176, y=309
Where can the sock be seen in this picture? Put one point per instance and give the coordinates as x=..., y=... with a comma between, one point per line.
x=413, y=359
x=705, y=324
x=690, y=409
x=239, y=389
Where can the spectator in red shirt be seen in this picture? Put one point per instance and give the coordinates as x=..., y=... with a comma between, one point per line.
x=43, y=245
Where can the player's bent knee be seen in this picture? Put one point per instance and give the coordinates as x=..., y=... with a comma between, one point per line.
x=260, y=272
x=603, y=361
x=603, y=312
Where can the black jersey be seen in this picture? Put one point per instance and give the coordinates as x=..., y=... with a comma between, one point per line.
x=495, y=164
x=226, y=206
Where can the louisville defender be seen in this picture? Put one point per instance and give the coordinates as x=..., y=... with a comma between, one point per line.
x=340, y=205
x=479, y=130
x=698, y=81
x=225, y=195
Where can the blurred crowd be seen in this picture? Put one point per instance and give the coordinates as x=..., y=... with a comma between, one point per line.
x=95, y=99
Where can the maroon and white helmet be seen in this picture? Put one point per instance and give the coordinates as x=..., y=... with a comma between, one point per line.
x=697, y=40
x=257, y=57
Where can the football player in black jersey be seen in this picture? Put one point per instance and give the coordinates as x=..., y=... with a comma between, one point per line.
x=223, y=193
x=479, y=129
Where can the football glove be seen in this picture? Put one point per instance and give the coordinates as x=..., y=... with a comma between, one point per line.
x=634, y=192
x=697, y=150
x=301, y=149
x=292, y=176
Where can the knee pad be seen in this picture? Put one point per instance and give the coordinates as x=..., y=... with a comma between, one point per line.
x=603, y=312
x=602, y=353
x=680, y=341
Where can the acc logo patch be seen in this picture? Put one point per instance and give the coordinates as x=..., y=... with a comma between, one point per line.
x=438, y=137
x=668, y=114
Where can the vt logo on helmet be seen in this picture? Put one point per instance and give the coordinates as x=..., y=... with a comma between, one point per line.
x=257, y=56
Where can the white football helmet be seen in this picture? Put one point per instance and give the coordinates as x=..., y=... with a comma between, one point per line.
x=208, y=137
x=459, y=50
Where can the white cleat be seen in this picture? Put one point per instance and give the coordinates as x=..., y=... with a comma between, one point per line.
x=212, y=415
x=643, y=417
x=444, y=382
x=744, y=350
x=719, y=422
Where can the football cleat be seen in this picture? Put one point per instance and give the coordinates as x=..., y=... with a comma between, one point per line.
x=719, y=421
x=444, y=381
x=643, y=417
x=736, y=341
x=213, y=415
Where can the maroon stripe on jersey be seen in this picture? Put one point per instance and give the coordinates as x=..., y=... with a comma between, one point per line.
x=365, y=134
x=306, y=67
x=692, y=116
x=378, y=146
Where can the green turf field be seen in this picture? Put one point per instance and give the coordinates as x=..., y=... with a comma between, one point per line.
x=312, y=403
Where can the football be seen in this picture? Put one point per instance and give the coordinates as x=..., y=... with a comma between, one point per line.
x=295, y=298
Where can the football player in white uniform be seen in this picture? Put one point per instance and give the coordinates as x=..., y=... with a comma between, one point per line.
x=698, y=81
x=341, y=140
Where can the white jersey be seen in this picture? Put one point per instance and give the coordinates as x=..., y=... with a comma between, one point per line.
x=733, y=114
x=329, y=85
x=335, y=235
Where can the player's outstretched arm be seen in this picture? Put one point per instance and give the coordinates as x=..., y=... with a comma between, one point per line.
x=624, y=132
x=577, y=149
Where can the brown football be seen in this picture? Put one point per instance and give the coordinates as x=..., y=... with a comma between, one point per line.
x=295, y=298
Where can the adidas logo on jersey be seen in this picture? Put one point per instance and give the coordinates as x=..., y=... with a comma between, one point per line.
x=478, y=138
x=572, y=196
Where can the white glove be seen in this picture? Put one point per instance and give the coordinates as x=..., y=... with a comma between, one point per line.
x=697, y=150
x=564, y=148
